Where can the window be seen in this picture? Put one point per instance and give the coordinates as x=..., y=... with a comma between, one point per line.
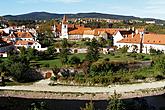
x=38, y=46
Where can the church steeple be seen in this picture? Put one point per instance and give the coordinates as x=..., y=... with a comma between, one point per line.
x=64, y=28
x=64, y=21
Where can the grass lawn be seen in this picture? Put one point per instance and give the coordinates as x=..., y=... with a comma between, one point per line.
x=3, y=59
x=57, y=61
x=51, y=63
x=116, y=57
x=17, y=83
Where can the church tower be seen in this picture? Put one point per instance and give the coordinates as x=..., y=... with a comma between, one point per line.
x=64, y=30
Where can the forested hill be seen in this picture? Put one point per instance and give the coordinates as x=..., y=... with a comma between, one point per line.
x=46, y=16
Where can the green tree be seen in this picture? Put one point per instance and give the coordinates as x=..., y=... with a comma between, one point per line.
x=55, y=70
x=159, y=64
x=110, y=42
x=74, y=60
x=115, y=103
x=135, y=49
x=50, y=52
x=86, y=67
x=39, y=106
x=31, y=53
x=64, y=52
x=155, y=52
x=2, y=72
x=124, y=49
x=45, y=35
x=93, y=51
x=102, y=42
x=88, y=106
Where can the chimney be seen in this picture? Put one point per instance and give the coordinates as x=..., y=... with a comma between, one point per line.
x=136, y=31
x=132, y=35
x=141, y=41
x=133, y=28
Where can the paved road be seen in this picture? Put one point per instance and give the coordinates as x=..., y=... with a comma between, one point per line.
x=43, y=86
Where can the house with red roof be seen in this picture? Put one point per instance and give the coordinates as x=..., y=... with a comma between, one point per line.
x=5, y=47
x=28, y=44
x=143, y=42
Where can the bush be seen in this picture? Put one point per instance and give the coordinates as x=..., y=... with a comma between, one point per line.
x=46, y=65
x=139, y=57
x=159, y=64
x=75, y=51
x=106, y=59
x=74, y=60
x=124, y=49
x=146, y=58
x=159, y=77
x=139, y=77
x=53, y=78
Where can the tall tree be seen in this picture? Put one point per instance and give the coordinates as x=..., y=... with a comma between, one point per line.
x=93, y=51
x=64, y=52
x=115, y=103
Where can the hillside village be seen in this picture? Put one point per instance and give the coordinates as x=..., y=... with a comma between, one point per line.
x=14, y=37
x=82, y=55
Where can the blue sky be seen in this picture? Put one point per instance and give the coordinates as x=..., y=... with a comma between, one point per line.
x=139, y=8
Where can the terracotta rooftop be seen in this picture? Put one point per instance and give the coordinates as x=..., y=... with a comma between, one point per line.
x=21, y=42
x=154, y=39
x=23, y=35
x=131, y=38
x=147, y=39
x=110, y=31
x=79, y=31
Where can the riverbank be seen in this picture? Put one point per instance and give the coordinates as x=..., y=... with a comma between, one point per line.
x=79, y=96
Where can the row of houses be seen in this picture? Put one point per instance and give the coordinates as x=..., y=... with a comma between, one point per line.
x=132, y=38
x=15, y=39
x=143, y=42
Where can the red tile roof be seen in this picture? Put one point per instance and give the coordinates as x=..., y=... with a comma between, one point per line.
x=23, y=35
x=79, y=31
x=147, y=39
x=131, y=38
x=154, y=39
x=21, y=42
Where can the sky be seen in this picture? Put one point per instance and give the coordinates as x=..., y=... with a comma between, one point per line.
x=138, y=8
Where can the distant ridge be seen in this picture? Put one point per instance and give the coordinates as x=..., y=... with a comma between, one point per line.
x=47, y=16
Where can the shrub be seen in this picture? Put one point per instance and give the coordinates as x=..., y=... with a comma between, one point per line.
x=53, y=78
x=146, y=58
x=74, y=60
x=55, y=70
x=139, y=76
x=46, y=65
x=159, y=77
x=106, y=59
x=139, y=56
x=159, y=64
x=88, y=106
x=124, y=49
x=75, y=51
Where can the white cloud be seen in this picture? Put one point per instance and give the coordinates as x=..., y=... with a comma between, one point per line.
x=48, y=1
x=154, y=8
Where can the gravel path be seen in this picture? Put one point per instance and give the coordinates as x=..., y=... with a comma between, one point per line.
x=44, y=87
